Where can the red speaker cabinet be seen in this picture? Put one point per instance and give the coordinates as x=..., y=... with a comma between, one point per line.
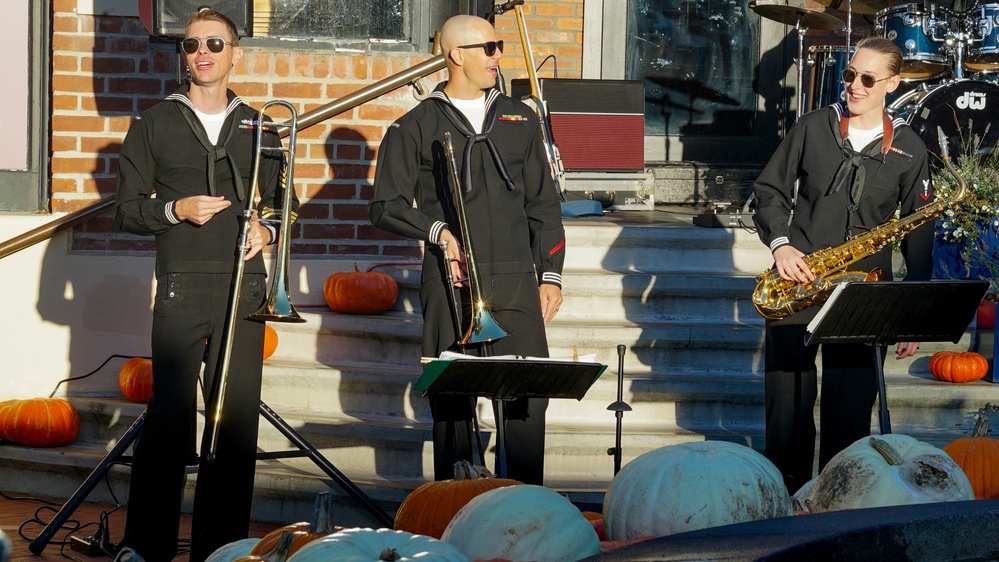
x=598, y=125
x=168, y=18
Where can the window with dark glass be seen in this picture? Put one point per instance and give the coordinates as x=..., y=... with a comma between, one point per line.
x=698, y=60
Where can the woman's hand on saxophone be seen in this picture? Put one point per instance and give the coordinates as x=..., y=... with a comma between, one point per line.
x=791, y=265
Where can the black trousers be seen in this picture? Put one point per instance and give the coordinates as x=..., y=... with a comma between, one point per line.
x=188, y=326
x=515, y=304
x=849, y=389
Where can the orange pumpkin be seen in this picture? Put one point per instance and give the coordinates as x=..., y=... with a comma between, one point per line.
x=954, y=366
x=304, y=532
x=5, y=407
x=270, y=341
x=429, y=508
x=136, y=379
x=978, y=457
x=40, y=422
x=357, y=292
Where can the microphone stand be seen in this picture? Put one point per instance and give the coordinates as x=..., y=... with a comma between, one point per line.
x=619, y=408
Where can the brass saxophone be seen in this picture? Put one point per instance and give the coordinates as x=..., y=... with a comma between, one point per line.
x=775, y=297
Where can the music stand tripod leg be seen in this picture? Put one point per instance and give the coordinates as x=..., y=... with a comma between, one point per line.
x=884, y=418
x=326, y=466
x=36, y=546
x=500, y=408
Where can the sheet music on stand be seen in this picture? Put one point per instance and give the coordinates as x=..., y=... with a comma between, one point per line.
x=888, y=312
x=508, y=377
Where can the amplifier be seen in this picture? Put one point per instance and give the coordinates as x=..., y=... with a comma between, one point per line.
x=598, y=125
x=168, y=18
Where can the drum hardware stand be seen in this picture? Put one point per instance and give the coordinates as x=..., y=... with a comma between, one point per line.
x=619, y=408
x=802, y=18
x=116, y=456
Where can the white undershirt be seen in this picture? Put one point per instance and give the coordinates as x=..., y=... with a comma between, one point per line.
x=473, y=110
x=860, y=138
x=212, y=124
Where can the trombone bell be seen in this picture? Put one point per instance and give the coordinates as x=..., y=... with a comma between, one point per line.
x=484, y=328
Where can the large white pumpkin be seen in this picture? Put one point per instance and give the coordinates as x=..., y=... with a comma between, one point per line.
x=524, y=522
x=888, y=470
x=233, y=550
x=370, y=545
x=692, y=486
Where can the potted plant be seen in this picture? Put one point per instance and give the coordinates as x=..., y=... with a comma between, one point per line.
x=966, y=245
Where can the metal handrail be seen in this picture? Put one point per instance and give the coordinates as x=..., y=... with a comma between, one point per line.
x=308, y=119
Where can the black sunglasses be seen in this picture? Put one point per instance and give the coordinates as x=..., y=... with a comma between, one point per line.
x=849, y=75
x=214, y=44
x=489, y=48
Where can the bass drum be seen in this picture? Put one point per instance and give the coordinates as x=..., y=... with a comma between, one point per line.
x=964, y=109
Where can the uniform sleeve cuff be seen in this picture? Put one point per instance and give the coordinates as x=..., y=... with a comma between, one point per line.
x=435, y=231
x=552, y=278
x=170, y=215
x=274, y=233
x=778, y=242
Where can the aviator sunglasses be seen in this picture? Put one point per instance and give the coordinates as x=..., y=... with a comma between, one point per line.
x=214, y=44
x=489, y=48
x=849, y=75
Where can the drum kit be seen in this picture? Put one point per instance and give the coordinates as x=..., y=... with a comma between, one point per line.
x=950, y=63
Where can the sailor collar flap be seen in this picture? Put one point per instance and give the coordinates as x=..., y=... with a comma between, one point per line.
x=219, y=152
x=461, y=124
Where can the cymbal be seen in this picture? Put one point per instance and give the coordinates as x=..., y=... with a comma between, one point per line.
x=795, y=15
x=862, y=7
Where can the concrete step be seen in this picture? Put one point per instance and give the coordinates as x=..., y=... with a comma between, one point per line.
x=658, y=297
x=650, y=248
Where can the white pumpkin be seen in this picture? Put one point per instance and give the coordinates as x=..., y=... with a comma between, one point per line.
x=233, y=550
x=369, y=545
x=692, y=486
x=523, y=522
x=799, y=499
x=888, y=470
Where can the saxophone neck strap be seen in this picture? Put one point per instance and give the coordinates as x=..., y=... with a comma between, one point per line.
x=886, y=138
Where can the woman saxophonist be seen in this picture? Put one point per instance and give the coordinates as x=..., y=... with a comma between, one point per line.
x=854, y=165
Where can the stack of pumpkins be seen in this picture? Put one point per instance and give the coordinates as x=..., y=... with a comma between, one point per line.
x=477, y=517
x=670, y=490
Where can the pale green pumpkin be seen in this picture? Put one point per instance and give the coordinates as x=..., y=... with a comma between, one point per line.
x=368, y=545
x=887, y=470
x=692, y=486
x=523, y=522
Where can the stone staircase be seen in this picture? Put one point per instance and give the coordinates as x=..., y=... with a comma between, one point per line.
x=677, y=298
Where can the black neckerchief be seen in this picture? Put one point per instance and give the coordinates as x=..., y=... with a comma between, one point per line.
x=461, y=124
x=853, y=163
x=215, y=153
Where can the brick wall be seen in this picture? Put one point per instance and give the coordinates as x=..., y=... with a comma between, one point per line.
x=107, y=69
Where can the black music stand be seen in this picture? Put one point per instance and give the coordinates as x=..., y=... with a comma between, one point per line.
x=508, y=379
x=888, y=312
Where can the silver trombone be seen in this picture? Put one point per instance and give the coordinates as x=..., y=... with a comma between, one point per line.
x=278, y=306
x=482, y=328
